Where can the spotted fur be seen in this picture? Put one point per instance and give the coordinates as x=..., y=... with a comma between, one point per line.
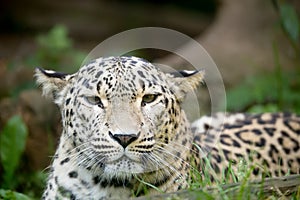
x=124, y=129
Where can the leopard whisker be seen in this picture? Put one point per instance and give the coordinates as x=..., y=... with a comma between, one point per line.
x=95, y=163
x=181, y=146
x=168, y=165
x=161, y=149
x=87, y=158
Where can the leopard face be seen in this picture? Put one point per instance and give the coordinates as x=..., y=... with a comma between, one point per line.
x=121, y=118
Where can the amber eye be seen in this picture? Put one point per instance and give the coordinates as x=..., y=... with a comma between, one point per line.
x=149, y=98
x=94, y=100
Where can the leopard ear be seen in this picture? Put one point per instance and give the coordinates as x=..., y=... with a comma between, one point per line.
x=52, y=83
x=185, y=81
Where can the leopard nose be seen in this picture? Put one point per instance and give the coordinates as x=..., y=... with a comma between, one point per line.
x=124, y=139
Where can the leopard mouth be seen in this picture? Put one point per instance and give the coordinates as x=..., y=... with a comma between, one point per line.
x=124, y=165
x=128, y=165
x=123, y=158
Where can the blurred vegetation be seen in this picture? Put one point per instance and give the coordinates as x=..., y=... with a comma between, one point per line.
x=276, y=91
x=55, y=50
x=10, y=195
x=12, y=146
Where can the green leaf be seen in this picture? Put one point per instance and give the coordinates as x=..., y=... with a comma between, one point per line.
x=12, y=145
x=56, y=39
x=10, y=195
x=290, y=21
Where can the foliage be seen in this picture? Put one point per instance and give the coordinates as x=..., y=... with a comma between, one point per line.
x=12, y=145
x=55, y=50
x=290, y=23
x=10, y=195
x=276, y=91
x=31, y=183
x=265, y=93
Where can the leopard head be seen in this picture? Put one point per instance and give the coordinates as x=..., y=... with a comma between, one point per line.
x=122, y=115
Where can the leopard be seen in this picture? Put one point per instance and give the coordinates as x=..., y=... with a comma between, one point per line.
x=125, y=132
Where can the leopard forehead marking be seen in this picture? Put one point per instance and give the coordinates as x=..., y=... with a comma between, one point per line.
x=119, y=77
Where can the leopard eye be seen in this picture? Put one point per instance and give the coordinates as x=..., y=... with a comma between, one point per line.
x=149, y=98
x=94, y=100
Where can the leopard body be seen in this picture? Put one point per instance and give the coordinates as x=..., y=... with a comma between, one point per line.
x=124, y=132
